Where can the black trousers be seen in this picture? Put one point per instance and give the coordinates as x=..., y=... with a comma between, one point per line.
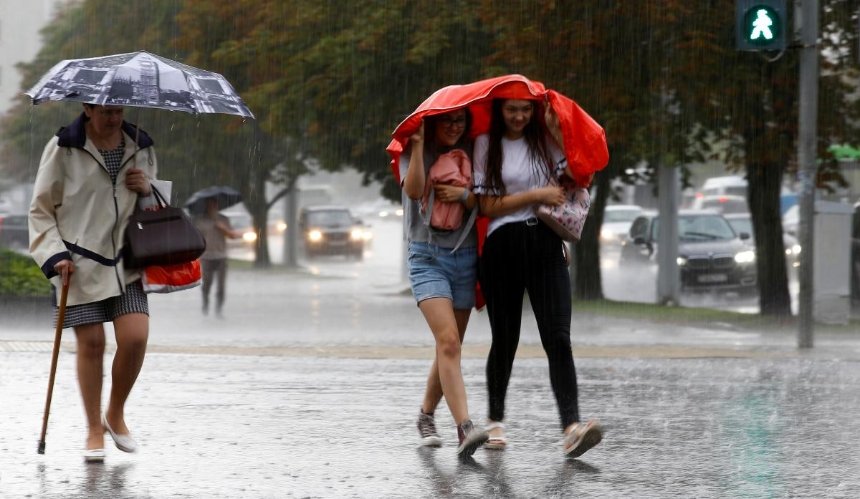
x=528, y=257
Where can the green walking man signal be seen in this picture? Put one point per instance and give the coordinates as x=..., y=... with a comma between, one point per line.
x=760, y=24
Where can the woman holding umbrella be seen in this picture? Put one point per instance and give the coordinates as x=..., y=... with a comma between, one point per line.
x=513, y=166
x=442, y=272
x=90, y=178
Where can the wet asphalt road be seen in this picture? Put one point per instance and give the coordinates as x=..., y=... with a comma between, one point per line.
x=310, y=388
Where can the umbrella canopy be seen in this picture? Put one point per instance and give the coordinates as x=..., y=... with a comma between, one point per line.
x=139, y=79
x=225, y=197
x=584, y=139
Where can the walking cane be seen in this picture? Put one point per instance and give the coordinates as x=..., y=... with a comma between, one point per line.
x=57, y=335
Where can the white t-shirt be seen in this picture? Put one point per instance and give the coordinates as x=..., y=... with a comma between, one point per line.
x=519, y=174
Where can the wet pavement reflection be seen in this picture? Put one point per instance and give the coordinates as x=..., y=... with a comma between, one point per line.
x=246, y=426
x=311, y=389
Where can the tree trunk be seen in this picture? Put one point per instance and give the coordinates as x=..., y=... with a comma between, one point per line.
x=764, y=181
x=586, y=257
x=258, y=207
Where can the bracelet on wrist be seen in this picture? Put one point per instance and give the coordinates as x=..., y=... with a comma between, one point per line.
x=464, y=198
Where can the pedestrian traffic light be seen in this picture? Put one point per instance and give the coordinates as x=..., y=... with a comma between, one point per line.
x=760, y=24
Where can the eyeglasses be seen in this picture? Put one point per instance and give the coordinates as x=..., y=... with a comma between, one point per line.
x=449, y=122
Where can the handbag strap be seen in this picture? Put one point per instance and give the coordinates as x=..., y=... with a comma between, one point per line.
x=159, y=197
x=425, y=219
x=467, y=227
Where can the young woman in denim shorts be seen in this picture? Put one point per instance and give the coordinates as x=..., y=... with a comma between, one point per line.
x=513, y=164
x=443, y=281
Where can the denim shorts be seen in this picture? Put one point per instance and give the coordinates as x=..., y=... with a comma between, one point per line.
x=436, y=273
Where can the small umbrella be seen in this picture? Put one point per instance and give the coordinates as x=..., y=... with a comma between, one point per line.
x=584, y=139
x=225, y=197
x=139, y=79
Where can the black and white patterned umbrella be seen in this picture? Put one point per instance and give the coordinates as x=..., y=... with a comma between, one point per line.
x=139, y=79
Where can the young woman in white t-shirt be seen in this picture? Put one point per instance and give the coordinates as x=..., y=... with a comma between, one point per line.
x=513, y=164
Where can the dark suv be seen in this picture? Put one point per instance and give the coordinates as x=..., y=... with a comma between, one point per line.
x=331, y=230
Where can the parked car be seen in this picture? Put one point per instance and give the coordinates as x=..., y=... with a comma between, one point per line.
x=616, y=223
x=711, y=255
x=729, y=185
x=14, y=232
x=332, y=230
x=724, y=203
x=742, y=222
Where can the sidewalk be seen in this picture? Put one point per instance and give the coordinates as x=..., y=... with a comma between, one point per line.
x=214, y=425
x=325, y=406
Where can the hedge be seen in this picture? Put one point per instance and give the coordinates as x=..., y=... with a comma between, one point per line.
x=20, y=276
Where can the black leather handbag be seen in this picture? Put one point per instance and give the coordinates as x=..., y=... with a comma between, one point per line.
x=163, y=236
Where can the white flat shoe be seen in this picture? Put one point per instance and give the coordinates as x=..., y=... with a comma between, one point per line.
x=94, y=456
x=123, y=442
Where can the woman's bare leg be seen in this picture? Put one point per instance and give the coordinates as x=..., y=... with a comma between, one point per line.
x=433, y=393
x=132, y=332
x=443, y=323
x=90, y=360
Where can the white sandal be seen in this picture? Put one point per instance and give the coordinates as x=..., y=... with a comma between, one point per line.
x=498, y=442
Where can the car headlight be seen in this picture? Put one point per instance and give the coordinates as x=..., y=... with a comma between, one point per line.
x=794, y=250
x=249, y=237
x=607, y=235
x=747, y=256
x=356, y=234
x=315, y=236
x=681, y=261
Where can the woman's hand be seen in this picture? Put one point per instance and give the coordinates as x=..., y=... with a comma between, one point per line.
x=417, y=138
x=552, y=195
x=137, y=181
x=449, y=193
x=65, y=268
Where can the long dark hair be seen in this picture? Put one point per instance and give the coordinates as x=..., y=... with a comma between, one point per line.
x=535, y=134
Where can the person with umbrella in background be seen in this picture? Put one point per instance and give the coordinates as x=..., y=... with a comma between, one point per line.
x=89, y=179
x=205, y=205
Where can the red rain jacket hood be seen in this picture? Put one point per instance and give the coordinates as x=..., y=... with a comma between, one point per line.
x=584, y=139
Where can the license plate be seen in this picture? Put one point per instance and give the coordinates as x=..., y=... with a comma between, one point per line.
x=713, y=278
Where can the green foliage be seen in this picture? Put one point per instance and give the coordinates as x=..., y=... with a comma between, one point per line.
x=20, y=276
x=329, y=81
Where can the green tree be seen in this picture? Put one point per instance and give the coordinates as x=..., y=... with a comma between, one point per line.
x=666, y=82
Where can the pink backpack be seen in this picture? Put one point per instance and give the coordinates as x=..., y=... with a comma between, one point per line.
x=451, y=168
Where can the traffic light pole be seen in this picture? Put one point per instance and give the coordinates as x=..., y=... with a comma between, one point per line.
x=807, y=167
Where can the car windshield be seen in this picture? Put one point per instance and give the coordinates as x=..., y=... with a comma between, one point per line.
x=625, y=215
x=741, y=225
x=334, y=217
x=700, y=228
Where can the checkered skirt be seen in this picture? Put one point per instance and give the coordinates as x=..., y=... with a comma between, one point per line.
x=134, y=301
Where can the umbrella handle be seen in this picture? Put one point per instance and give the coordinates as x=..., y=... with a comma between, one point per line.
x=61, y=317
